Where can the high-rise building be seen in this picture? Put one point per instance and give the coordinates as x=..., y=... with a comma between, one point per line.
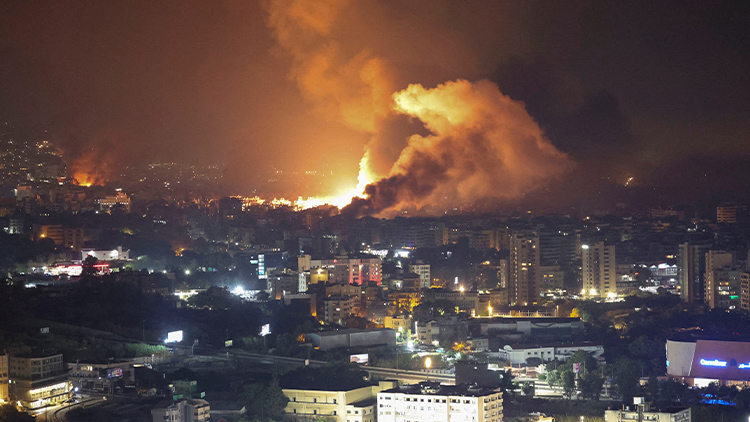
x=723, y=280
x=728, y=214
x=551, y=278
x=3, y=378
x=745, y=291
x=524, y=269
x=691, y=267
x=599, y=269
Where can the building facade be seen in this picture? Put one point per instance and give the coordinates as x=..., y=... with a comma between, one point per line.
x=356, y=405
x=36, y=382
x=701, y=362
x=723, y=280
x=100, y=378
x=192, y=410
x=4, y=397
x=524, y=269
x=599, y=270
x=691, y=268
x=432, y=402
x=423, y=270
x=648, y=414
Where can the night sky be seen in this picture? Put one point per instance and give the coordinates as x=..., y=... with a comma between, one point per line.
x=657, y=91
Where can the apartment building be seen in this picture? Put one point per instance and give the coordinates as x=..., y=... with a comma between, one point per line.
x=432, y=402
x=340, y=405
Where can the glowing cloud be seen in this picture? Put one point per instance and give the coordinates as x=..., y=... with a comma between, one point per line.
x=483, y=146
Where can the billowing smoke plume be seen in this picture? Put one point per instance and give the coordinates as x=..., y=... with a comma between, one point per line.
x=94, y=165
x=351, y=88
x=483, y=145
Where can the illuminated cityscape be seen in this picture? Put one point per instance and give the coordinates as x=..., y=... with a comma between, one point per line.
x=308, y=211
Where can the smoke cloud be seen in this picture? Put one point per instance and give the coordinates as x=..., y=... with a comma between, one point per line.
x=483, y=146
x=352, y=88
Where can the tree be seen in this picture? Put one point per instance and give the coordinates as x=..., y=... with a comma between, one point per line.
x=626, y=376
x=568, y=383
x=89, y=266
x=673, y=391
x=9, y=413
x=553, y=378
x=214, y=298
x=587, y=361
x=590, y=385
x=527, y=389
x=533, y=361
x=506, y=383
x=264, y=400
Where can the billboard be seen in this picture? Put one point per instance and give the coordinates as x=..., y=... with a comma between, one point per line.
x=265, y=330
x=174, y=337
x=114, y=373
x=362, y=359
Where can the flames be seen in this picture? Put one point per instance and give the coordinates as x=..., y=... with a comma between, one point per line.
x=482, y=146
x=92, y=167
x=83, y=179
x=84, y=172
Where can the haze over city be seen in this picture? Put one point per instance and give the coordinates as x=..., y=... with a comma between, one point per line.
x=602, y=92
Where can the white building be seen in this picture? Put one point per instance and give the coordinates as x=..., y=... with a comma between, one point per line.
x=106, y=255
x=340, y=405
x=432, y=402
x=193, y=410
x=518, y=353
x=425, y=280
x=631, y=413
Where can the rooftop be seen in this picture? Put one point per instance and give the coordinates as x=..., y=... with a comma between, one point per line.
x=432, y=388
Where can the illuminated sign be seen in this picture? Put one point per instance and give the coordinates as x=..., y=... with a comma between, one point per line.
x=744, y=366
x=714, y=362
x=114, y=373
x=174, y=337
x=265, y=330
x=363, y=359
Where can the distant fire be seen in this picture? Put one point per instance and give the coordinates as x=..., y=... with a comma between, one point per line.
x=298, y=204
x=83, y=179
x=90, y=168
x=481, y=146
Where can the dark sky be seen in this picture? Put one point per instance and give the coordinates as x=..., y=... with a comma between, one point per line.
x=653, y=90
